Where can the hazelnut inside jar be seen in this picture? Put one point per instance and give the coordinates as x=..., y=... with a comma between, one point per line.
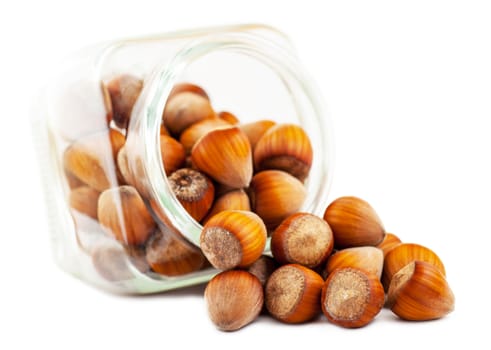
x=217, y=119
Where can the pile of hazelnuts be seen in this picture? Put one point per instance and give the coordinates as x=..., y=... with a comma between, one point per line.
x=368, y=269
x=243, y=183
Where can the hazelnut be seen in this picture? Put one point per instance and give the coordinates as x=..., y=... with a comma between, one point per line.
x=123, y=214
x=292, y=294
x=262, y=268
x=303, y=239
x=191, y=135
x=405, y=253
x=256, y=130
x=354, y=223
x=233, y=238
x=170, y=255
x=389, y=242
x=233, y=200
x=92, y=159
x=172, y=153
x=228, y=117
x=225, y=155
x=234, y=299
x=284, y=147
x=184, y=109
x=370, y=259
x=123, y=91
x=72, y=181
x=194, y=191
x=188, y=87
x=275, y=195
x=420, y=292
x=84, y=199
x=352, y=297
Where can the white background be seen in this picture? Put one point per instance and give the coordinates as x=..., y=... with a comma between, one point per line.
x=408, y=85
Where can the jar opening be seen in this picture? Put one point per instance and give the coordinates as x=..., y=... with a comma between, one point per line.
x=250, y=76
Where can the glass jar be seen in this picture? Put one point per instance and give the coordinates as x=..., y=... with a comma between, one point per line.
x=251, y=70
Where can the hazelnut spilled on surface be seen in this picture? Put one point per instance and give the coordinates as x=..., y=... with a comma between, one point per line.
x=234, y=299
x=352, y=297
x=292, y=294
x=354, y=223
x=419, y=292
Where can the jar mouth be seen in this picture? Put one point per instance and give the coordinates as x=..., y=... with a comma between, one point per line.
x=301, y=90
